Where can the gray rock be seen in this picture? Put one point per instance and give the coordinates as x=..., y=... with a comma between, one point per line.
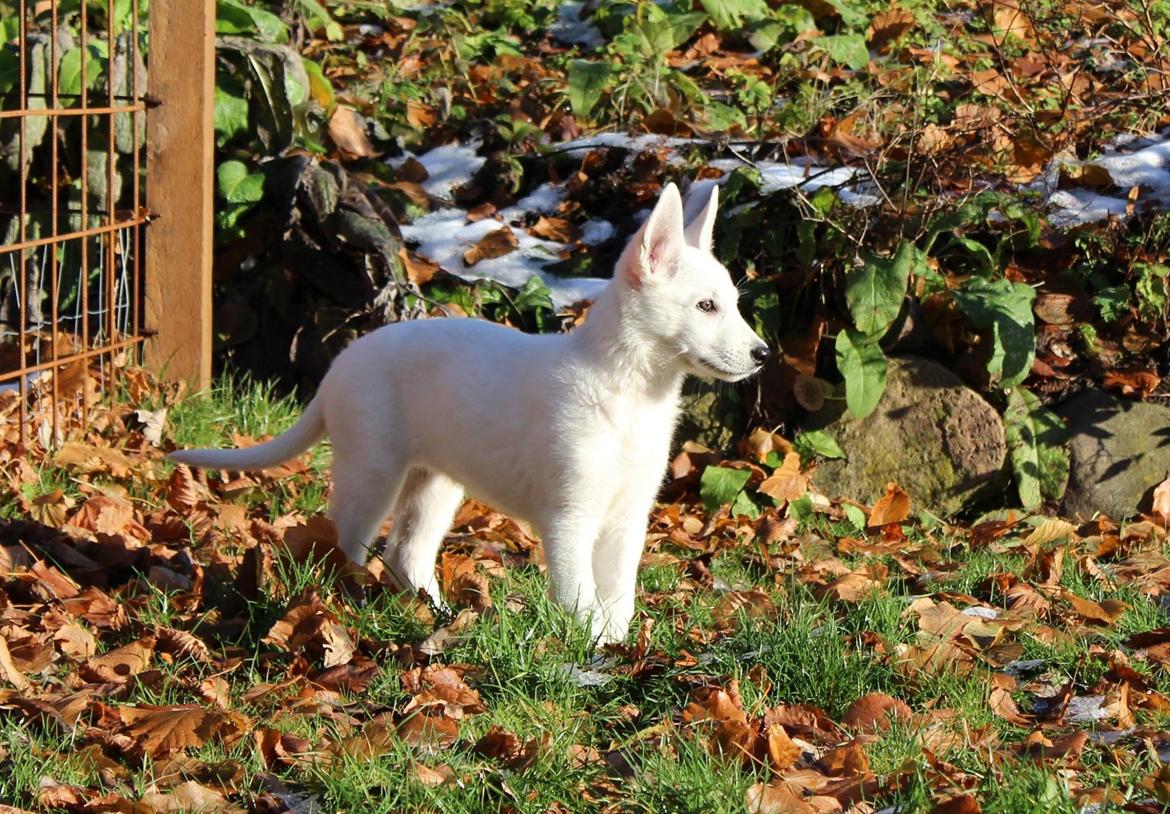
x=1120, y=451
x=711, y=415
x=930, y=434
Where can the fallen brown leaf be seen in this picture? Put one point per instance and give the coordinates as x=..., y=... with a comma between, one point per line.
x=348, y=132
x=875, y=711
x=493, y=244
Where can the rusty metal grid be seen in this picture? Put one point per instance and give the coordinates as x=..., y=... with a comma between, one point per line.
x=70, y=266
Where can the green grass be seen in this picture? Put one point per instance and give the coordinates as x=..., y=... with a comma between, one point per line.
x=525, y=658
x=237, y=405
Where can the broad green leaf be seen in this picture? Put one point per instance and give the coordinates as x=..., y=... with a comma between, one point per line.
x=876, y=289
x=720, y=485
x=1004, y=308
x=69, y=72
x=533, y=295
x=862, y=363
x=236, y=185
x=846, y=49
x=783, y=25
x=719, y=117
x=1036, y=439
x=855, y=516
x=231, y=115
x=817, y=442
x=234, y=17
x=587, y=81
x=658, y=31
x=320, y=88
x=734, y=14
x=801, y=508
x=852, y=16
x=744, y=505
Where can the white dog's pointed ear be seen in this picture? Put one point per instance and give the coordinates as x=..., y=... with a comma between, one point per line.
x=659, y=243
x=701, y=228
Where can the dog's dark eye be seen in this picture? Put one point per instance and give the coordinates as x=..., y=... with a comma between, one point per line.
x=707, y=306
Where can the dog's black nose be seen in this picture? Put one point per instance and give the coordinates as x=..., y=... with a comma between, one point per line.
x=760, y=354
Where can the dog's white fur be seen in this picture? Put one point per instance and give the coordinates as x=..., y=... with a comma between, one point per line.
x=570, y=432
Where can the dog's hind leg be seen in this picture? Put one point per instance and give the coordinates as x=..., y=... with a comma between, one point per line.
x=365, y=486
x=423, y=513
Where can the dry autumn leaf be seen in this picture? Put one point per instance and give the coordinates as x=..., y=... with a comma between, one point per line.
x=493, y=244
x=875, y=711
x=775, y=798
x=189, y=798
x=1161, y=502
x=419, y=270
x=786, y=483
x=160, y=730
x=348, y=131
x=120, y=663
x=892, y=507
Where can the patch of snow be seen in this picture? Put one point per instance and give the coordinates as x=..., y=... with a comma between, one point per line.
x=981, y=612
x=597, y=231
x=444, y=235
x=1086, y=709
x=588, y=677
x=1131, y=161
x=1022, y=667
x=544, y=199
x=623, y=141
x=570, y=28
x=447, y=166
x=1076, y=207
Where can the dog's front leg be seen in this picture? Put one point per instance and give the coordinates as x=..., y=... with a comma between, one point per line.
x=568, y=540
x=615, y=571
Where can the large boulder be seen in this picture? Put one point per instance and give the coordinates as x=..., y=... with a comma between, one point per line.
x=930, y=434
x=1120, y=451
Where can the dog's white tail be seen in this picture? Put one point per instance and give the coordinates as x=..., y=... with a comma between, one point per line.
x=309, y=429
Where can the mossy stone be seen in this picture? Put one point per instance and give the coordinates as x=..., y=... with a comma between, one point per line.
x=930, y=434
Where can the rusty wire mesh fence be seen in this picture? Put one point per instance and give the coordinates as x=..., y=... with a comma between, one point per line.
x=72, y=127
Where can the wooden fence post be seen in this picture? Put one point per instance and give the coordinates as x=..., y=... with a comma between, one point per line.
x=180, y=188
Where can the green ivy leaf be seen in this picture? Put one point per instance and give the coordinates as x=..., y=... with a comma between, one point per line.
x=846, y=49
x=237, y=185
x=734, y=14
x=1004, y=308
x=231, y=115
x=875, y=290
x=587, y=81
x=1036, y=439
x=862, y=363
x=720, y=485
x=817, y=442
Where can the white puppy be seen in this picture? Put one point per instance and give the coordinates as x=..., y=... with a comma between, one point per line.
x=570, y=431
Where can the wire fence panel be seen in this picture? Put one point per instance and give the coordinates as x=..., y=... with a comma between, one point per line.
x=72, y=131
